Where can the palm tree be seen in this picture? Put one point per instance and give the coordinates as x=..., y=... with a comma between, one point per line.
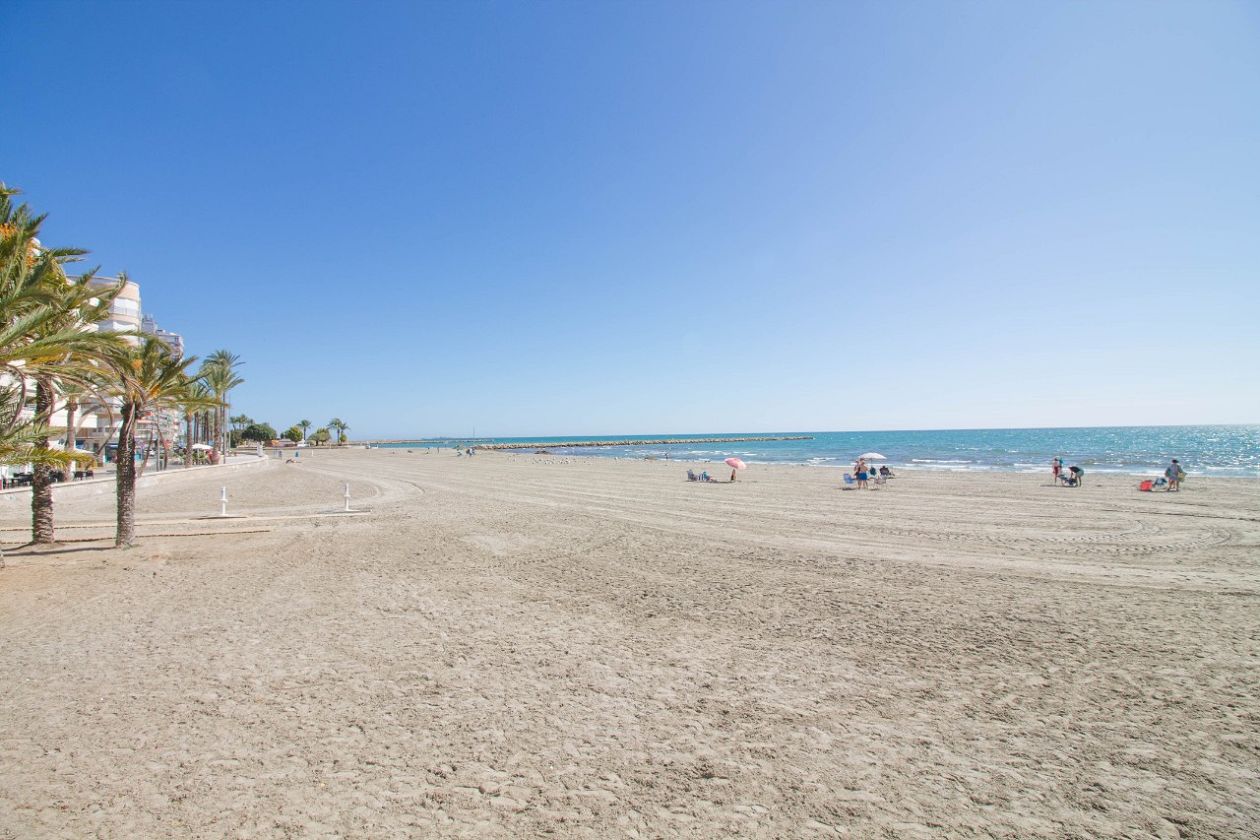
x=219, y=374
x=193, y=404
x=304, y=424
x=75, y=362
x=151, y=379
x=340, y=427
x=73, y=394
x=237, y=424
x=44, y=341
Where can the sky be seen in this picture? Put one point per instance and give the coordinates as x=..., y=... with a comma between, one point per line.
x=564, y=218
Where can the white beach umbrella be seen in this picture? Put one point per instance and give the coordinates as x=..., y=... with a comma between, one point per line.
x=872, y=456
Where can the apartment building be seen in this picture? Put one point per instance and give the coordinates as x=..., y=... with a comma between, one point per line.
x=126, y=315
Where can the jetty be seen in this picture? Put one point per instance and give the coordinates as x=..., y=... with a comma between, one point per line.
x=634, y=442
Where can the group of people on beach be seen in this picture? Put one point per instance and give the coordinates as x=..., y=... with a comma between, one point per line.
x=1072, y=476
x=864, y=472
x=1067, y=476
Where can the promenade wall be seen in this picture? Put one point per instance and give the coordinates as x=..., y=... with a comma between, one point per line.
x=69, y=490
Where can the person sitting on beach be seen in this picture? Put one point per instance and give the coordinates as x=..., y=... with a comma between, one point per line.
x=885, y=472
x=704, y=476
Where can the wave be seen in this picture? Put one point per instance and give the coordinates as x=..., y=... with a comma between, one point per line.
x=1211, y=451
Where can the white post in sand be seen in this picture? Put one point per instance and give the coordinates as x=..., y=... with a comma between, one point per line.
x=347, y=497
x=223, y=502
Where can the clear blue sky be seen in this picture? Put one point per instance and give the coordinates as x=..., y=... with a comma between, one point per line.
x=571, y=218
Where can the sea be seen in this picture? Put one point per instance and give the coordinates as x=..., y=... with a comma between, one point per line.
x=1135, y=450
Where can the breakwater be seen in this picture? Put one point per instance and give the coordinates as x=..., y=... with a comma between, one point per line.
x=632, y=442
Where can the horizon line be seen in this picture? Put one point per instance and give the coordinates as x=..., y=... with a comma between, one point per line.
x=809, y=431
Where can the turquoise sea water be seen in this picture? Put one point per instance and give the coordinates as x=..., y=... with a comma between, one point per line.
x=1203, y=450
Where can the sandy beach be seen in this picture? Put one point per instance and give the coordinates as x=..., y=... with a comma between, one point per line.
x=515, y=645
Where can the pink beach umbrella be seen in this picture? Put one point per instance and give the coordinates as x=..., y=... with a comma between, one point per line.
x=735, y=464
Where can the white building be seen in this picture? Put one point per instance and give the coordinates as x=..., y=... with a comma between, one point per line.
x=124, y=312
x=172, y=340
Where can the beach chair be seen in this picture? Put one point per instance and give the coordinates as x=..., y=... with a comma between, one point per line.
x=849, y=480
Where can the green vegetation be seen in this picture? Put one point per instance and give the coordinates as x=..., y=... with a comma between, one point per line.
x=259, y=432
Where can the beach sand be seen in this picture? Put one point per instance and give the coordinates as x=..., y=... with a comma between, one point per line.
x=516, y=645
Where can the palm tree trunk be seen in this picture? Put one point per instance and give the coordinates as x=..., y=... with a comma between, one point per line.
x=125, y=470
x=188, y=439
x=73, y=430
x=148, y=447
x=161, y=447
x=72, y=407
x=41, y=482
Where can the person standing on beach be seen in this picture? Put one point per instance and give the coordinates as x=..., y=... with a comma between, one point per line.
x=1174, y=474
x=1056, y=467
